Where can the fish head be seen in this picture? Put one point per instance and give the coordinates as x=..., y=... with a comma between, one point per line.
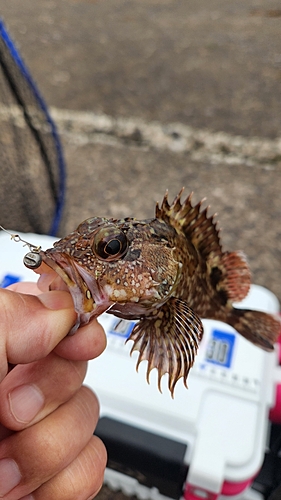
x=127, y=267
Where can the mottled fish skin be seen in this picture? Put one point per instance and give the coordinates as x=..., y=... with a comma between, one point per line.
x=166, y=272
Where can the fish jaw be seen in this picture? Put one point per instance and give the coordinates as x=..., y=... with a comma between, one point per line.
x=88, y=298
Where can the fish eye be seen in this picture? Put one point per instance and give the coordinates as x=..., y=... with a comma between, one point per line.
x=110, y=243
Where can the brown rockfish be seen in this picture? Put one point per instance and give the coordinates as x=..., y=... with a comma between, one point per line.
x=167, y=272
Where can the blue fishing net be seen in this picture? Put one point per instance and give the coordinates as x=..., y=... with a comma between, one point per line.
x=32, y=169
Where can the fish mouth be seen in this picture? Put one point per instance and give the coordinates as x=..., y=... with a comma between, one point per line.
x=88, y=297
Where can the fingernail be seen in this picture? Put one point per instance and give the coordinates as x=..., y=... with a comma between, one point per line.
x=10, y=476
x=25, y=402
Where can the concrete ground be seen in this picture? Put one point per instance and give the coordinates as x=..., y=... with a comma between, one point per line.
x=158, y=94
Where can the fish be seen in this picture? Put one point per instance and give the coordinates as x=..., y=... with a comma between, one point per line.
x=167, y=272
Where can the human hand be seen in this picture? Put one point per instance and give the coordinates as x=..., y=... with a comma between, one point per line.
x=47, y=450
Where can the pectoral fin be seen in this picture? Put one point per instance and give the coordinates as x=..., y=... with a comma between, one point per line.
x=168, y=340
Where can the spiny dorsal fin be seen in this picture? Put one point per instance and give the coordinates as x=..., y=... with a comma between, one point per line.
x=228, y=271
x=193, y=221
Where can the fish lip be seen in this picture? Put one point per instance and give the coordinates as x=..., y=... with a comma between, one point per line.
x=55, y=264
x=87, y=305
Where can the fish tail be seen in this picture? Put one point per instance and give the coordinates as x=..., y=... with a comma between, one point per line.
x=260, y=328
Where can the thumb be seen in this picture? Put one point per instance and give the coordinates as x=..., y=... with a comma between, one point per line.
x=31, y=326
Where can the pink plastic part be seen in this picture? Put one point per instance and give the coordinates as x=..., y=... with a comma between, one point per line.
x=279, y=353
x=275, y=412
x=229, y=488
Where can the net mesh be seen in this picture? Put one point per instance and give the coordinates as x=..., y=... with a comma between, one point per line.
x=31, y=161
